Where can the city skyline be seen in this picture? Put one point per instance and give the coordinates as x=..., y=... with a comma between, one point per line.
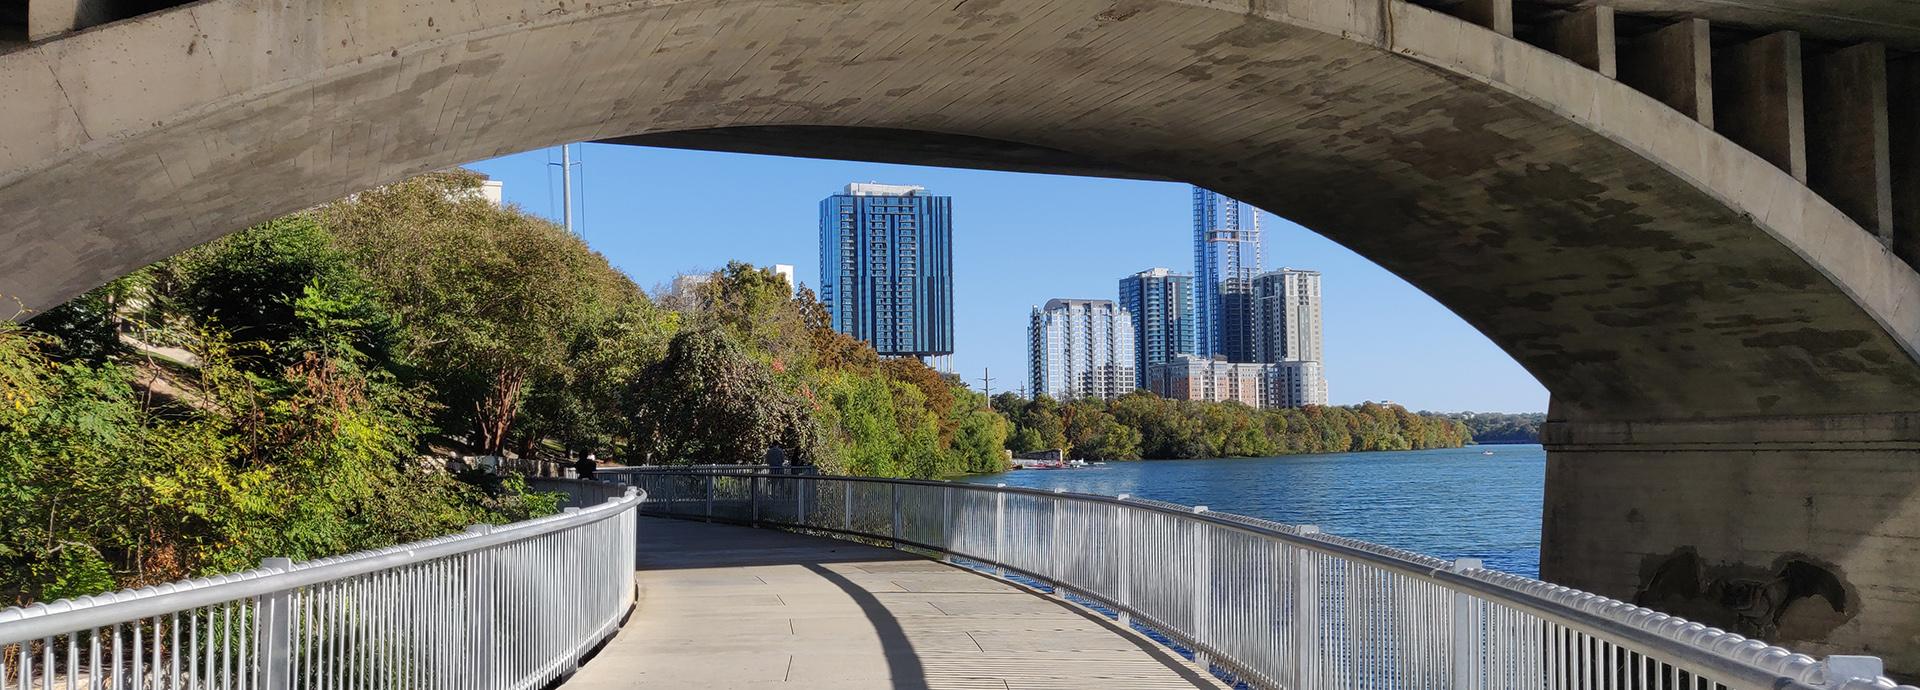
x=1021, y=237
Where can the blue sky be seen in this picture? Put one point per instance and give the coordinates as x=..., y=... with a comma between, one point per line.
x=1019, y=240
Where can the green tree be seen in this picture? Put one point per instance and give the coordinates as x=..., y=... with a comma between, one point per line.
x=710, y=401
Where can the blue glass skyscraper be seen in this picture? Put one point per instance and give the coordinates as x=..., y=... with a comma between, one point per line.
x=886, y=267
x=1227, y=253
x=1161, y=303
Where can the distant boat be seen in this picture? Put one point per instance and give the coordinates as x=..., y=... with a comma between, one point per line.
x=1486, y=452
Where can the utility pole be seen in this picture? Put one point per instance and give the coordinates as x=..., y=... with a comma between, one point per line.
x=566, y=186
x=986, y=383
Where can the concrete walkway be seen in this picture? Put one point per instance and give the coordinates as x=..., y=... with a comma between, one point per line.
x=734, y=607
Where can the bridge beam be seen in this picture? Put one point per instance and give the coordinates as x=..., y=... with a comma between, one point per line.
x=1802, y=531
x=1496, y=15
x=1848, y=153
x=1586, y=36
x=1759, y=99
x=1675, y=65
x=1903, y=120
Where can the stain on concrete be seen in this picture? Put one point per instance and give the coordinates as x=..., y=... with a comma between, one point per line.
x=1795, y=597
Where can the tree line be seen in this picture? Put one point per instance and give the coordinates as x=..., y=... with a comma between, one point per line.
x=1142, y=425
x=1500, y=427
x=287, y=390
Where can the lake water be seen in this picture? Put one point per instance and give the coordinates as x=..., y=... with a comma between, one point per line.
x=1452, y=503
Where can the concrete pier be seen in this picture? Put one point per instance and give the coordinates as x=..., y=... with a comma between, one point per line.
x=1801, y=531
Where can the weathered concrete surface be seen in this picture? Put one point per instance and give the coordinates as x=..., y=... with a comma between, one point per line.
x=735, y=607
x=1803, y=531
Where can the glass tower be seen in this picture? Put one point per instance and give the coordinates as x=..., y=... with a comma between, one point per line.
x=1161, y=303
x=1227, y=254
x=886, y=267
x=1080, y=348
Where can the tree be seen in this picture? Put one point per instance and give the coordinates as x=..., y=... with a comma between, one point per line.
x=493, y=300
x=710, y=401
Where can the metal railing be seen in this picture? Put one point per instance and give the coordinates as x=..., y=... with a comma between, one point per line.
x=508, y=607
x=613, y=474
x=1275, y=605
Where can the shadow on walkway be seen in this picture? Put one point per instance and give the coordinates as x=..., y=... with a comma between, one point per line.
x=903, y=665
x=702, y=545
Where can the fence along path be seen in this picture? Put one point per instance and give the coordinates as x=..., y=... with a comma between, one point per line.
x=1269, y=604
x=508, y=607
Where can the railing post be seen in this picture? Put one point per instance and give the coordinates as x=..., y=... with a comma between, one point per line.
x=893, y=499
x=1124, y=530
x=709, y=483
x=753, y=496
x=1306, y=602
x=1465, y=644
x=1000, y=530
x=1202, y=588
x=273, y=632
x=800, y=501
x=846, y=507
x=1057, y=569
x=480, y=631
x=946, y=522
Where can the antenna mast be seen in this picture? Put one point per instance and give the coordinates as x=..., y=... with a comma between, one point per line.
x=566, y=187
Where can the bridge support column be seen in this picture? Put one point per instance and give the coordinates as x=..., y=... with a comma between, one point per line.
x=1848, y=151
x=1673, y=64
x=1586, y=36
x=1803, y=531
x=1903, y=125
x=1759, y=101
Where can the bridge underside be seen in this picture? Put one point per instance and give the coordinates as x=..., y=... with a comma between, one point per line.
x=1712, y=329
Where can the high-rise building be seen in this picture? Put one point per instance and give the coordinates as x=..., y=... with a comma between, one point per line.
x=1287, y=331
x=1186, y=377
x=1081, y=348
x=886, y=267
x=1228, y=252
x=1161, y=303
x=1294, y=384
x=1287, y=316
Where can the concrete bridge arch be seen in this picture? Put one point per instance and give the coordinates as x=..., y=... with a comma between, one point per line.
x=1727, y=326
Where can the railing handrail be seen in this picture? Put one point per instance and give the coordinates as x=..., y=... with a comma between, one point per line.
x=1753, y=663
x=716, y=469
x=41, y=620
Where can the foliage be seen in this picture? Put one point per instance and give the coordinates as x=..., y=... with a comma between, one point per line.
x=1500, y=427
x=708, y=401
x=86, y=328
x=497, y=307
x=1143, y=425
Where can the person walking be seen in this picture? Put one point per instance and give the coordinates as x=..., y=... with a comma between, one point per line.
x=585, y=467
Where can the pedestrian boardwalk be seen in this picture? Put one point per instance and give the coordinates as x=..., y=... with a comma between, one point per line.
x=735, y=607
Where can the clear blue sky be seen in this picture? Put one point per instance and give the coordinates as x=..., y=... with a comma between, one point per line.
x=1019, y=240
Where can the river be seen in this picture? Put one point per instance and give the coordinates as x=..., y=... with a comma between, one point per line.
x=1452, y=503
